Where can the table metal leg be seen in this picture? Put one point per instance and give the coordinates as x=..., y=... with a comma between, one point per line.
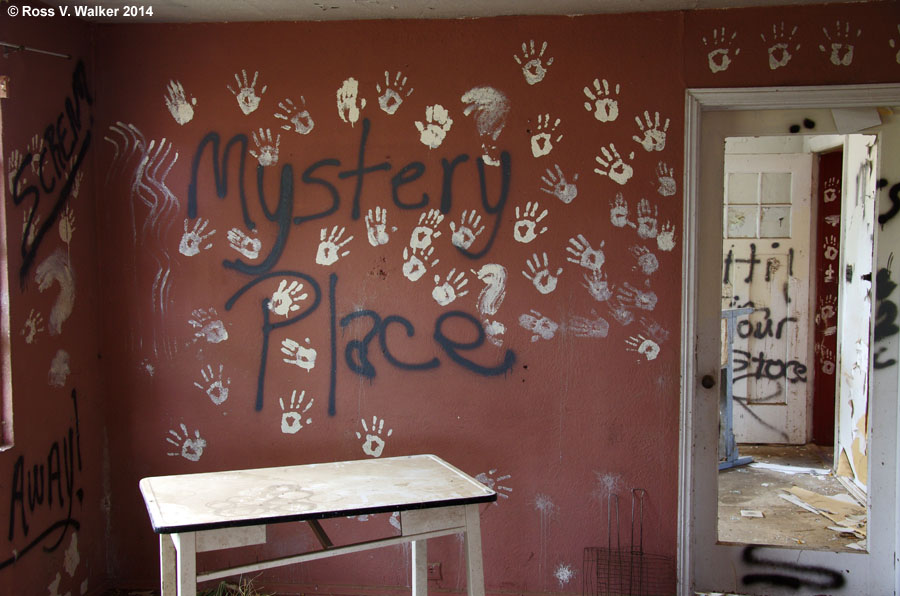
x=474, y=564
x=419, y=568
x=167, y=565
x=186, y=558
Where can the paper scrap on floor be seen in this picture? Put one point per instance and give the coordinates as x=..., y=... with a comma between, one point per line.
x=848, y=515
x=751, y=513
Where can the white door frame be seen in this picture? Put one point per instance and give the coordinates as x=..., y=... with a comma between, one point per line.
x=883, y=393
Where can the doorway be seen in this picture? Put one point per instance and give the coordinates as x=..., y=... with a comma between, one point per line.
x=705, y=563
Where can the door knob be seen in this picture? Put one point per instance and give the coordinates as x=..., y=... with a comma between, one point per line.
x=708, y=381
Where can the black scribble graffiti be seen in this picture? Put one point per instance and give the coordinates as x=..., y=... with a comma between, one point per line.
x=772, y=265
x=808, y=124
x=894, y=196
x=765, y=328
x=742, y=401
x=790, y=575
x=57, y=163
x=319, y=196
x=37, y=489
x=731, y=259
x=154, y=209
x=885, y=314
x=792, y=371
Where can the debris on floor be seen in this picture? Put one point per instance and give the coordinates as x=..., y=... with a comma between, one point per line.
x=843, y=510
x=785, y=469
x=751, y=513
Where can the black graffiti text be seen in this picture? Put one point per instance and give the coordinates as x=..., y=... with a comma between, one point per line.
x=765, y=328
x=762, y=367
x=49, y=488
x=790, y=575
x=885, y=315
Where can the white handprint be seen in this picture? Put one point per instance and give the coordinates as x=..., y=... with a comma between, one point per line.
x=292, y=417
x=181, y=109
x=493, y=482
x=527, y=221
x=426, y=231
x=373, y=444
x=666, y=177
x=189, y=449
x=533, y=68
x=391, y=98
x=267, y=154
x=494, y=331
x=215, y=386
x=646, y=217
x=468, y=230
x=779, y=51
x=840, y=46
x=416, y=265
x=15, y=162
x=833, y=220
x=452, y=288
x=582, y=253
x=653, y=137
x=642, y=345
x=831, y=247
x=542, y=140
x=646, y=260
x=347, y=97
x=540, y=276
x=36, y=148
x=605, y=106
x=330, y=248
x=34, y=324
x=246, y=96
x=437, y=125
x=632, y=296
x=209, y=326
x=613, y=165
x=76, y=184
x=244, y=244
x=300, y=120
x=585, y=327
x=300, y=356
x=67, y=225
x=376, y=227
x=832, y=190
x=556, y=185
x=665, y=240
x=719, y=58
x=597, y=286
x=542, y=327
x=286, y=299
x=620, y=313
x=192, y=241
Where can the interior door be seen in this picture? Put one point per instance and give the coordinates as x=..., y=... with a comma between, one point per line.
x=855, y=288
x=705, y=564
x=766, y=242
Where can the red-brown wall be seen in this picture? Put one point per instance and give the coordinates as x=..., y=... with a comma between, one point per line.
x=557, y=416
x=52, y=488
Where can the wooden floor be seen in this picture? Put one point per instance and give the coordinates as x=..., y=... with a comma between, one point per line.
x=784, y=524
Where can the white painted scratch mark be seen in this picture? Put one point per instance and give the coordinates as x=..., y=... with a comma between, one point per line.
x=564, y=574
x=59, y=369
x=56, y=268
x=72, y=558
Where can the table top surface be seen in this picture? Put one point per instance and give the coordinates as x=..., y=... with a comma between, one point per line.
x=205, y=501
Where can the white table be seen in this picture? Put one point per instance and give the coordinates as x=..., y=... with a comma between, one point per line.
x=204, y=512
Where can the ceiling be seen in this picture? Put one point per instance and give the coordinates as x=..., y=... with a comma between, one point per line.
x=198, y=11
